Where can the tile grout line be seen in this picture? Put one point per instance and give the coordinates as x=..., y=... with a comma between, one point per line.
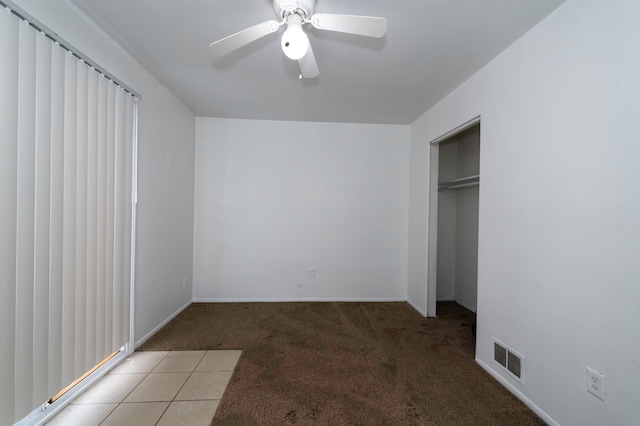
x=185, y=382
x=215, y=368
x=134, y=388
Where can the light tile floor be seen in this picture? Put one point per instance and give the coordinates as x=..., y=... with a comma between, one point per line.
x=155, y=388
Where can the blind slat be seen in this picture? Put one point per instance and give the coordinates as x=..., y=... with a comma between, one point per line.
x=109, y=237
x=92, y=214
x=101, y=251
x=130, y=116
x=8, y=195
x=42, y=210
x=81, y=365
x=58, y=57
x=25, y=218
x=69, y=221
x=120, y=207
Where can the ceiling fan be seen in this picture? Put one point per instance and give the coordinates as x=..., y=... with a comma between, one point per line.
x=295, y=43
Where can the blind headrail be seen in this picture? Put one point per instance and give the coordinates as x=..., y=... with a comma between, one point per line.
x=20, y=13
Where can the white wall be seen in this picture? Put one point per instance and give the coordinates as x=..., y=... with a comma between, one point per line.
x=420, y=177
x=275, y=198
x=447, y=219
x=467, y=247
x=559, y=235
x=165, y=168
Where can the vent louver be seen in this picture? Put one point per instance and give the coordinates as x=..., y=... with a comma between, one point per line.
x=500, y=355
x=514, y=365
x=508, y=359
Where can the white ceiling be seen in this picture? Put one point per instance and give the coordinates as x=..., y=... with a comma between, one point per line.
x=431, y=47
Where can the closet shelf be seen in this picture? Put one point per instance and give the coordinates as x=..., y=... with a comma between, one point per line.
x=459, y=183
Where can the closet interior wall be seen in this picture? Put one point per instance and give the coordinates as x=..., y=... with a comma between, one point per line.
x=457, y=267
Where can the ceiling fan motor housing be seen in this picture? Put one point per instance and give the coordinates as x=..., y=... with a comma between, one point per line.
x=283, y=7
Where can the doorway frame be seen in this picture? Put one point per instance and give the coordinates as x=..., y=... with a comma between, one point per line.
x=432, y=225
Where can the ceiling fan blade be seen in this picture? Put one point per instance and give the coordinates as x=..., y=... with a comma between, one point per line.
x=244, y=37
x=308, y=65
x=369, y=26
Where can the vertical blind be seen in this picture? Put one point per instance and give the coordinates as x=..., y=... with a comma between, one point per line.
x=66, y=162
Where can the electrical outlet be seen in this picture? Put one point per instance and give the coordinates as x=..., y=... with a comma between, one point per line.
x=299, y=285
x=595, y=383
x=184, y=283
x=312, y=272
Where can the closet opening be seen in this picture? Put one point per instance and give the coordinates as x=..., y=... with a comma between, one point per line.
x=453, y=225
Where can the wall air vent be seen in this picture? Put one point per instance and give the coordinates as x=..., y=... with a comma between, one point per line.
x=510, y=361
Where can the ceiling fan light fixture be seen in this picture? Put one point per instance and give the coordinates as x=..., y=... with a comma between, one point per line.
x=295, y=42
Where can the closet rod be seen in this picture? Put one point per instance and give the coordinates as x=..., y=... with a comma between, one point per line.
x=461, y=185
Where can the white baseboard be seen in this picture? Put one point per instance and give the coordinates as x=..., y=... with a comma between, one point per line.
x=511, y=388
x=305, y=299
x=162, y=324
x=414, y=306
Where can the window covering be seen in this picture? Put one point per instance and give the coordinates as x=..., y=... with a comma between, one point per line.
x=67, y=157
